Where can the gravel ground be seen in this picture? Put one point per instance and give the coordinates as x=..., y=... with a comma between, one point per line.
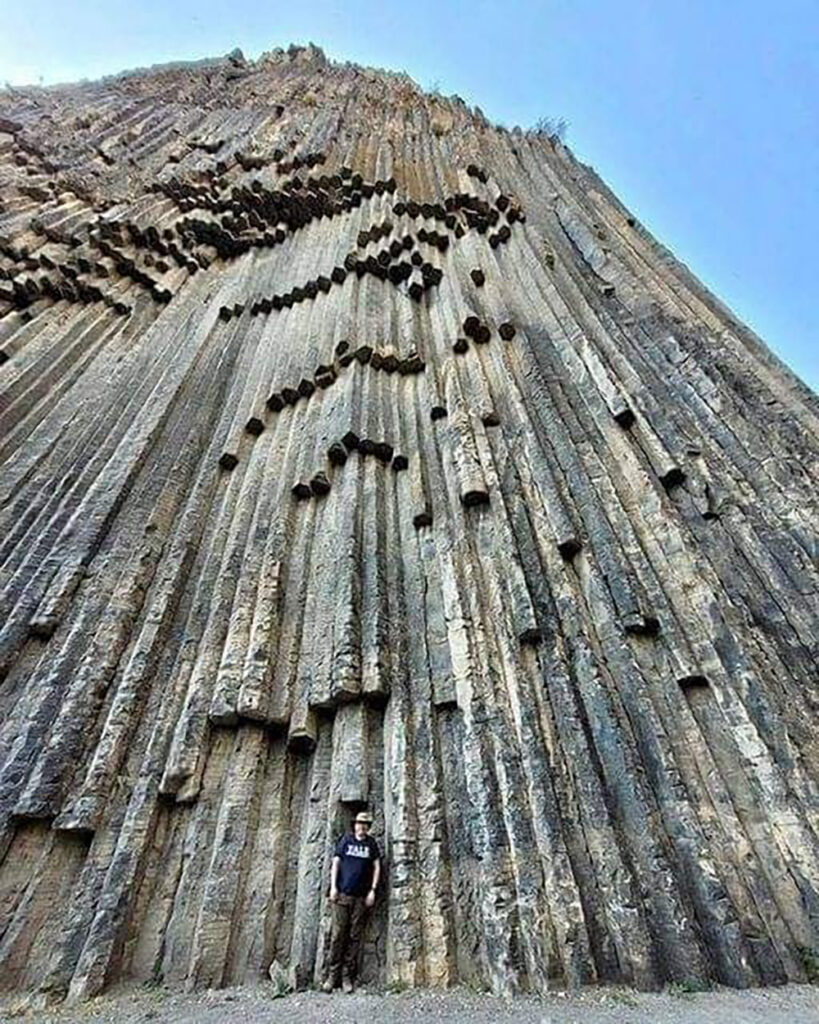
x=792, y=1004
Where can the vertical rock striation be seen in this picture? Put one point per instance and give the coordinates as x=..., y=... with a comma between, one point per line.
x=358, y=453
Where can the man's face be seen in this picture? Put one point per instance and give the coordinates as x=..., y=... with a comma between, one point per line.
x=361, y=829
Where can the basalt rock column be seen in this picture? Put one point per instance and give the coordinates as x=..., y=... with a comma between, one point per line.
x=358, y=453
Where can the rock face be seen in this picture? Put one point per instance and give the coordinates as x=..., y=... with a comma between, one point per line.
x=358, y=453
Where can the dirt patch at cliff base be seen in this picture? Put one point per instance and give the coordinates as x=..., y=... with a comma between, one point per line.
x=790, y=1004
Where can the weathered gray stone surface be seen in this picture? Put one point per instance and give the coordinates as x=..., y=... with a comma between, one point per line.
x=355, y=451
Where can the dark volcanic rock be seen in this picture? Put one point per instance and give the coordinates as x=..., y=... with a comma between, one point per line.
x=279, y=542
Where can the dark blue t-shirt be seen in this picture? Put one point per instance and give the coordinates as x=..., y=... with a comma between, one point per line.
x=355, y=872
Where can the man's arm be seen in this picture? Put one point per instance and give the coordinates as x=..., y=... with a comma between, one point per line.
x=376, y=875
x=334, y=878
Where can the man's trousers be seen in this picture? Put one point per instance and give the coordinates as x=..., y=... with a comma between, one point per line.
x=349, y=919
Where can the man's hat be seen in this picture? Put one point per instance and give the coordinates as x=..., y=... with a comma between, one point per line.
x=364, y=817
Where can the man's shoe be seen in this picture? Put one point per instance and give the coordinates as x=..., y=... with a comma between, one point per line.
x=328, y=985
x=347, y=985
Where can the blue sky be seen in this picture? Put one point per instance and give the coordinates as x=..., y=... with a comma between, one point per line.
x=703, y=115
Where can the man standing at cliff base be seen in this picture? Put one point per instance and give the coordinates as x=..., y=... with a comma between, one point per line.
x=354, y=877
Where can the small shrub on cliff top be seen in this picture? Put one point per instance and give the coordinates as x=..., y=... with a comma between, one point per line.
x=550, y=128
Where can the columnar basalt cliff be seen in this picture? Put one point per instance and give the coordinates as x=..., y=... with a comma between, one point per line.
x=356, y=452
